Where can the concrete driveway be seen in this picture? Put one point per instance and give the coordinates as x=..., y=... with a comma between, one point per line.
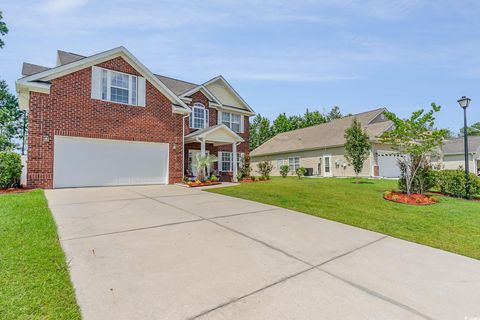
x=168, y=252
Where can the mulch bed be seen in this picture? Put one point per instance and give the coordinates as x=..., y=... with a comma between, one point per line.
x=250, y=180
x=413, y=199
x=14, y=190
x=202, y=184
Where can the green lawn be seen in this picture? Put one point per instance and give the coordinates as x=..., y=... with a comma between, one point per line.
x=34, y=280
x=452, y=224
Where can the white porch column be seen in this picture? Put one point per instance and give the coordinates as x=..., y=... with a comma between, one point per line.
x=234, y=160
x=202, y=153
x=202, y=148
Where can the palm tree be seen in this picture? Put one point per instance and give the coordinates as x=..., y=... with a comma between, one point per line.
x=200, y=163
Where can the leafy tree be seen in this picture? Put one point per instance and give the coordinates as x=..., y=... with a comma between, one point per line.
x=281, y=124
x=3, y=30
x=416, y=139
x=313, y=118
x=260, y=131
x=473, y=130
x=334, y=114
x=11, y=119
x=357, y=146
x=264, y=168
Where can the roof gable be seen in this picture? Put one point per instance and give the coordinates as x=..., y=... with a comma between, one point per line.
x=64, y=57
x=221, y=89
x=122, y=52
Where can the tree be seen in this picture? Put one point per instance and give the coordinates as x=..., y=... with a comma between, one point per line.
x=313, y=118
x=473, y=130
x=3, y=30
x=200, y=163
x=281, y=124
x=416, y=139
x=260, y=131
x=334, y=114
x=357, y=146
x=11, y=119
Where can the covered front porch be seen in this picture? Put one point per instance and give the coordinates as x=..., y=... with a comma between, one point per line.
x=220, y=141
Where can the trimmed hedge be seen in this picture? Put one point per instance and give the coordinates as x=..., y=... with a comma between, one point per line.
x=452, y=183
x=10, y=169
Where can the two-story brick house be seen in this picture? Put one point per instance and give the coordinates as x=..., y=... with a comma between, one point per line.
x=107, y=120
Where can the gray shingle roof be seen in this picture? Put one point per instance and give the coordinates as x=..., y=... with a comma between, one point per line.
x=67, y=57
x=324, y=135
x=456, y=146
x=176, y=86
x=28, y=69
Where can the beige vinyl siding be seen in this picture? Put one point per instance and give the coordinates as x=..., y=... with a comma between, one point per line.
x=311, y=159
x=456, y=161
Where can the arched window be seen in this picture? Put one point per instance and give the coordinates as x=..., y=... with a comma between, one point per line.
x=199, y=116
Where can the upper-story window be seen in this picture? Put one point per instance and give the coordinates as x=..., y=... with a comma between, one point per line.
x=118, y=87
x=232, y=120
x=199, y=116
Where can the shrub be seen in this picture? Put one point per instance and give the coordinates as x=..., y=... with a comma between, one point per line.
x=424, y=179
x=300, y=171
x=284, y=170
x=245, y=169
x=264, y=168
x=452, y=183
x=253, y=178
x=213, y=178
x=10, y=169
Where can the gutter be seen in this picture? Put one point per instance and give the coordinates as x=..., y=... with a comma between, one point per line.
x=183, y=145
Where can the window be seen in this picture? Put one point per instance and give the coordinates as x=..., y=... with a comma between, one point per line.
x=199, y=117
x=226, y=160
x=279, y=163
x=119, y=87
x=327, y=164
x=232, y=120
x=293, y=163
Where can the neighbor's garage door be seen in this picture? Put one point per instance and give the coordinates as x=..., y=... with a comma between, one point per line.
x=81, y=162
x=388, y=164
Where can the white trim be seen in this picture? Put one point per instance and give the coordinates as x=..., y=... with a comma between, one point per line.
x=330, y=165
x=178, y=107
x=204, y=135
x=205, y=91
x=235, y=93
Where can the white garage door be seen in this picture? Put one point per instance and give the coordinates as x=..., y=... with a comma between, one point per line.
x=81, y=162
x=388, y=164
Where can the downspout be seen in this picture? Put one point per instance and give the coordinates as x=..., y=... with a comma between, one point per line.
x=183, y=145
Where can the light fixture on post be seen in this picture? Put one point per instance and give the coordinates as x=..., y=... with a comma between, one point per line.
x=464, y=102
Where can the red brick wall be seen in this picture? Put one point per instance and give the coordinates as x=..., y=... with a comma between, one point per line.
x=199, y=97
x=69, y=110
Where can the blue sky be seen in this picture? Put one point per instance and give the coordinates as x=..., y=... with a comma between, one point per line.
x=281, y=56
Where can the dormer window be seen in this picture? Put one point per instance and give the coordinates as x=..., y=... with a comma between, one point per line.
x=199, y=116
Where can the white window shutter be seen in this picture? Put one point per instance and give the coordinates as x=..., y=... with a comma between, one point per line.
x=96, y=84
x=207, y=120
x=242, y=128
x=141, y=91
x=190, y=120
x=219, y=121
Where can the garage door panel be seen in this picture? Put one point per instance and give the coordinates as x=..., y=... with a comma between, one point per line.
x=388, y=164
x=82, y=162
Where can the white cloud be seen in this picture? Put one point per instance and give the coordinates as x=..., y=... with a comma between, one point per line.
x=54, y=7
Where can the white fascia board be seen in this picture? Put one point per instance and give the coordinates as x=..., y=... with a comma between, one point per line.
x=24, y=89
x=102, y=57
x=204, y=90
x=235, y=110
x=235, y=93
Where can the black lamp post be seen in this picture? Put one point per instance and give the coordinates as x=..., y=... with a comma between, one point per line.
x=464, y=102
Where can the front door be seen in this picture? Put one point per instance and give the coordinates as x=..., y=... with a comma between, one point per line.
x=327, y=166
x=191, y=155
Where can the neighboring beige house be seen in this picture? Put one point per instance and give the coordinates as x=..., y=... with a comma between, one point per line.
x=453, y=156
x=320, y=148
